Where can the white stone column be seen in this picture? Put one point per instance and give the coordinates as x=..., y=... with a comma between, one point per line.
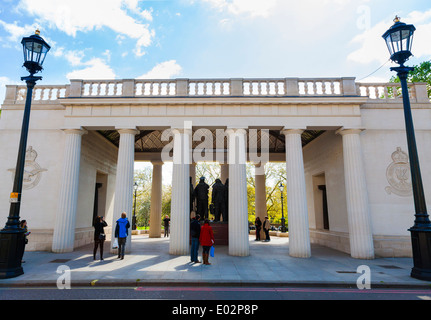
x=64, y=229
x=238, y=205
x=299, y=236
x=123, y=201
x=180, y=203
x=156, y=201
x=358, y=210
x=260, y=194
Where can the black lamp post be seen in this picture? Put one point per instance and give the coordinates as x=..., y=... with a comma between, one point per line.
x=283, y=222
x=399, y=41
x=135, y=187
x=12, y=236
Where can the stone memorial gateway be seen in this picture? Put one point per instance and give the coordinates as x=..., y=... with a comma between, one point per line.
x=343, y=144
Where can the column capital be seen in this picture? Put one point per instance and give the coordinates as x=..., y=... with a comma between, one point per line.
x=187, y=131
x=236, y=130
x=343, y=131
x=79, y=131
x=133, y=130
x=259, y=164
x=157, y=162
x=292, y=131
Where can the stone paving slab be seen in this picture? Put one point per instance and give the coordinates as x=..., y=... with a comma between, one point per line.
x=269, y=263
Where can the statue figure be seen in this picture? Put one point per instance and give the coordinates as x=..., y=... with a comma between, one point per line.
x=191, y=196
x=226, y=199
x=201, y=195
x=218, y=200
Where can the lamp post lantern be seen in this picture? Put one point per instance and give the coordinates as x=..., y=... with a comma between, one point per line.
x=135, y=187
x=399, y=40
x=283, y=222
x=12, y=236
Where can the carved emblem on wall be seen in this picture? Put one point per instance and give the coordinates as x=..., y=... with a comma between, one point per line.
x=398, y=174
x=32, y=170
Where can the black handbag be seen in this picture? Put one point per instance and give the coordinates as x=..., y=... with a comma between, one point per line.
x=102, y=236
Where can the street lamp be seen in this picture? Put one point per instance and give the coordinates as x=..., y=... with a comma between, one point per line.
x=135, y=187
x=399, y=40
x=12, y=236
x=283, y=223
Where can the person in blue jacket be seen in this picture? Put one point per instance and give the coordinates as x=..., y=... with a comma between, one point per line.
x=121, y=232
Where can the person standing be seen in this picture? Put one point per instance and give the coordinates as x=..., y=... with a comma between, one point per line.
x=99, y=236
x=195, y=232
x=166, y=222
x=266, y=227
x=23, y=225
x=207, y=241
x=121, y=232
x=258, y=225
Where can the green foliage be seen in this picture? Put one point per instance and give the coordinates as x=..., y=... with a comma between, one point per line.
x=275, y=173
x=143, y=196
x=421, y=73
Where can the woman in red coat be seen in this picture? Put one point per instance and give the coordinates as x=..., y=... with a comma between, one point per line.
x=207, y=240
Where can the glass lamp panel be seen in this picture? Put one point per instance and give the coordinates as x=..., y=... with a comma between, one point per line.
x=389, y=45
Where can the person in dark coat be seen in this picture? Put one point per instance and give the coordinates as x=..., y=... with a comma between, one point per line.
x=258, y=225
x=166, y=224
x=99, y=236
x=195, y=232
x=23, y=225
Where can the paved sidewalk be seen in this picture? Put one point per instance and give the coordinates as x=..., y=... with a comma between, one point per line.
x=269, y=264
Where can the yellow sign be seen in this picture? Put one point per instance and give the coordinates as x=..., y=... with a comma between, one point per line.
x=14, y=197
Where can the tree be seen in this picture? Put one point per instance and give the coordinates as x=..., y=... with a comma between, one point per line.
x=143, y=198
x=275, y=173
x=421, y=73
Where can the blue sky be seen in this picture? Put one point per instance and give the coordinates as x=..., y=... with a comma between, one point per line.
x=103, y=39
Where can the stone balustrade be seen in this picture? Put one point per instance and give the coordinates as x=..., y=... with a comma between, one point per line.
x=271, y=87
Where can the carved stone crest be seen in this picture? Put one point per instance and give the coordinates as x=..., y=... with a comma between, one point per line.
x=32, y=170
x=398, y=174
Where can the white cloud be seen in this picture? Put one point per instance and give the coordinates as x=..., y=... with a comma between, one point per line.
x=253, y=8
x=97, y=69
x=3, y=82
x=373, y=48
x=164, y=70
x=71, y=17
x=16, y=32
x=74, y=57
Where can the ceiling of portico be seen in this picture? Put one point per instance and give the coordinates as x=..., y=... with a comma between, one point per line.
x=151, y=140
